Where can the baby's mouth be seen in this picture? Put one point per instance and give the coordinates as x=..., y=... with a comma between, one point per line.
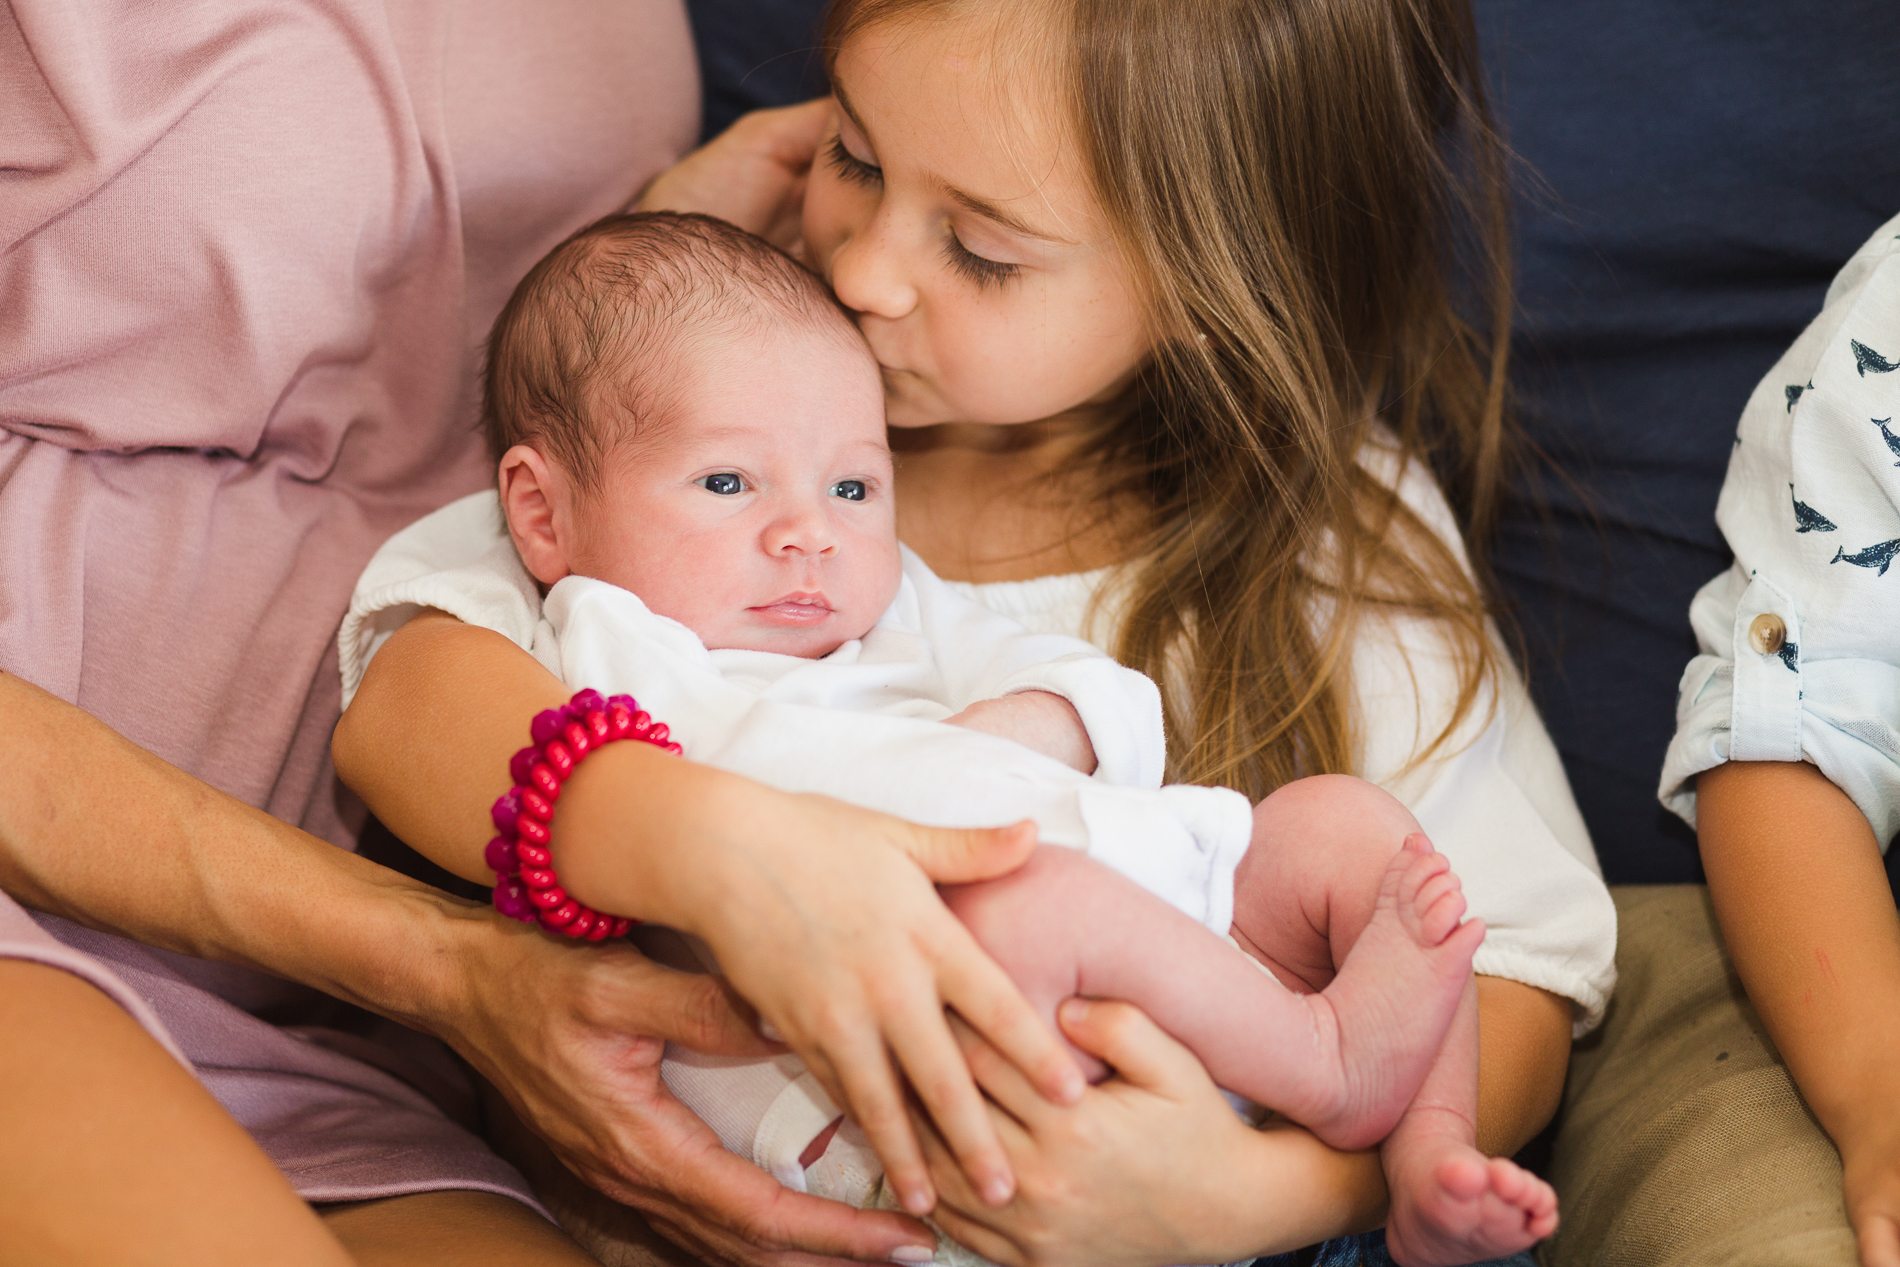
x=795, y=609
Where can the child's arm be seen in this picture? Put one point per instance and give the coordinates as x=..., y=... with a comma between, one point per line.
x=1798, y=885
x=1039, y=720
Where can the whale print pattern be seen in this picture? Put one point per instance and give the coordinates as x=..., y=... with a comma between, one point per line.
x=1893, y=441
x=1807, y=518
x=1810, y=510
x=1876, y=556
x=1865, y=358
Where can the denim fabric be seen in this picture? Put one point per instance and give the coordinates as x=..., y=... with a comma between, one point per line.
x=1367, y=1250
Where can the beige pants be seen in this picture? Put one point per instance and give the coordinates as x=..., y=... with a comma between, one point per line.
x=1683, y=1140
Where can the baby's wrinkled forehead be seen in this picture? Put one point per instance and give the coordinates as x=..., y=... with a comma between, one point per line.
x=606, y=337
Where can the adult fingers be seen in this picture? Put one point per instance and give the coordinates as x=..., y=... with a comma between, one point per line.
x=1123, y=1037
x=728, y=1207
x=627, y=992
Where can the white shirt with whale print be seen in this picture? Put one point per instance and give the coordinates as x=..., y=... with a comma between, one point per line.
x=1800, y=638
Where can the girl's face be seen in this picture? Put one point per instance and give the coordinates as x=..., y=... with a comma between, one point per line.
x=950, y=211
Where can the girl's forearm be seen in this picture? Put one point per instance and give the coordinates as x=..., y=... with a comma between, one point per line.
x=104, y=833
x=427, y=739
x=426, y=744
x=1796, y=878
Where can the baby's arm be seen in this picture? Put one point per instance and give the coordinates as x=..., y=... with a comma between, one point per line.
x=1039, y=720
x=1798, y=885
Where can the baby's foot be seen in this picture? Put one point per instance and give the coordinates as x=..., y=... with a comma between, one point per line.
x=1451, y=1204
x=1395, y=996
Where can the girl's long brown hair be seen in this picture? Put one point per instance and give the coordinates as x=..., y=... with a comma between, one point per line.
x=1312, y=198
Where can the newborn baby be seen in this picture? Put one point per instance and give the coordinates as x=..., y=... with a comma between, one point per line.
x=692, y=463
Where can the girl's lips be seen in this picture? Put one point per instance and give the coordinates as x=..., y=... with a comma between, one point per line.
x=795, y=609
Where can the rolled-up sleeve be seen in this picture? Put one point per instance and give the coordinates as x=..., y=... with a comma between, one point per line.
x=1798, y=659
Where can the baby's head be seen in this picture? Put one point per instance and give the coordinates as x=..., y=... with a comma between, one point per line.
x=681, y=409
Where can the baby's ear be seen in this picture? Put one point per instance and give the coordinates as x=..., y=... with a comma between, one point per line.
x=533, y=494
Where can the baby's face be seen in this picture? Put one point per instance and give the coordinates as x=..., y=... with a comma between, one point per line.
x=758, y=512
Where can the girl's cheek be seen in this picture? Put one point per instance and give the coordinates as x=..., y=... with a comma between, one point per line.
x=823, y=221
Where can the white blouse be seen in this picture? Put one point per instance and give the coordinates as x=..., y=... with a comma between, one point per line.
x=1494, y=799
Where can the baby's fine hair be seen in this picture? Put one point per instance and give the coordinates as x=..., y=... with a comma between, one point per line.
x=587, y=349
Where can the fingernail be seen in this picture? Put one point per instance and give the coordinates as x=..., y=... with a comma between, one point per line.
x=769, y=1032
x=997, y=1191
x=1075, y=1011
x=912, y=1255
x=920, y=1200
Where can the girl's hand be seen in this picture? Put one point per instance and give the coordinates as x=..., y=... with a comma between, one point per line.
x=826, y=918
x=1870, y=1159
x=752, y=174
x=1150, y=1167
x=572, y=1036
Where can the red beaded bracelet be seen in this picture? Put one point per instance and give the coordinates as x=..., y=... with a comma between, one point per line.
x=525, y=885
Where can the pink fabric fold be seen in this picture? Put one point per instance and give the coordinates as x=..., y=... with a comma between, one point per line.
x=248, y=250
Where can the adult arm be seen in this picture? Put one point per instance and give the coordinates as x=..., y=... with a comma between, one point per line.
x=822, y=914
x=1796, y=878
x=101, y=832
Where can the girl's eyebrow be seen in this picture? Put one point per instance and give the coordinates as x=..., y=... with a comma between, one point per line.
x=968, y=201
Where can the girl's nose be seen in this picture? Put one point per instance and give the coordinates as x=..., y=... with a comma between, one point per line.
x=868, y=271
x=800, y=529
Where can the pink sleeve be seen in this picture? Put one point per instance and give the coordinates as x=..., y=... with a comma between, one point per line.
x=247, y=254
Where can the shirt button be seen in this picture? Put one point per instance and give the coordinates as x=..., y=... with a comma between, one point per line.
x=1766, y=633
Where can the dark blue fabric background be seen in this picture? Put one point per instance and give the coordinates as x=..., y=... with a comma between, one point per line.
x=1695, y=171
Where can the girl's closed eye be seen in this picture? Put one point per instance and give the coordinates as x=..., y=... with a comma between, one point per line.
x=724, y=483
x=850, y=166
x=973, y=267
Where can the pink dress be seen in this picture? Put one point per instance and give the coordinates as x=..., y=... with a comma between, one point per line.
x=248, y=250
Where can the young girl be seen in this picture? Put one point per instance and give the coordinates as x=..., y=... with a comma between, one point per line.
x=1158, y=297
x=1785, y=757
x=693, y=464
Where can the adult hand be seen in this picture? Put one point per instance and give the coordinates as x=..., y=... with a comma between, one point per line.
x=572, y=1036
x=752, y=174
x=1149, y=1167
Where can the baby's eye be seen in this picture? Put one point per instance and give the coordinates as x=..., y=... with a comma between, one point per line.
x=725, y=483
x=850, y=490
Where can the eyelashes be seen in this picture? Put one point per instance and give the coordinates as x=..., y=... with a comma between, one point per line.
x=973, y=267
x=850, y=166
x=962, y=261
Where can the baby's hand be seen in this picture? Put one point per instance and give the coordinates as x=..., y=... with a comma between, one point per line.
x=1040, y=720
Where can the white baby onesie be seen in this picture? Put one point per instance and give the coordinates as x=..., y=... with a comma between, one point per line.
x=863, y=725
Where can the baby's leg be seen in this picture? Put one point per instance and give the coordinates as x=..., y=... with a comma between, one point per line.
x=1302, y=901
x=1344, y=1064
x=1450, y=1203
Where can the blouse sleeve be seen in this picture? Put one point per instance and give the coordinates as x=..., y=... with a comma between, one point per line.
x=1493, y=797
x=1798, y=660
